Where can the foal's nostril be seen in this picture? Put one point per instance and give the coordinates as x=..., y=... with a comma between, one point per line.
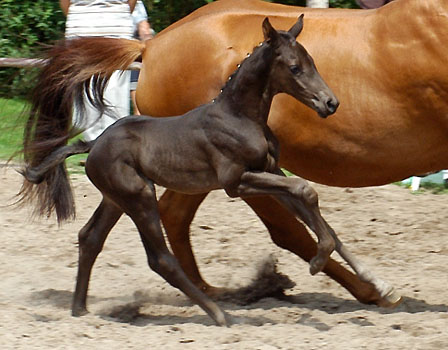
x=332, y=104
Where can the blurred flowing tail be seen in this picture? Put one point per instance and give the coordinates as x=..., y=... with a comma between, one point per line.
x=50, y=184
x=76, y=68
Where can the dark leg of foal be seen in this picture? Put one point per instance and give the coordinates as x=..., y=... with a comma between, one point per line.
x=91, y=241
x=137, y=198
x=286, y=231
x=300, y=198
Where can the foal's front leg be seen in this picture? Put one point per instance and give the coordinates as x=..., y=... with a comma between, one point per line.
x=300, y=198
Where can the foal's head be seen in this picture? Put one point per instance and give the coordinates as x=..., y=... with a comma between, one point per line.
x=293, y=71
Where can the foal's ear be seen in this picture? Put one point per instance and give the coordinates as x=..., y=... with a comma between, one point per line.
x=297, y=28
x=269, y=32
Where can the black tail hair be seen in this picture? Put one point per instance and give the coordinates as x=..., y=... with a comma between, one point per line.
x=48, y=184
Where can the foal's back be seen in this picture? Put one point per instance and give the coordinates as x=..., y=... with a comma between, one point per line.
x=180, y=153
x=170, y=152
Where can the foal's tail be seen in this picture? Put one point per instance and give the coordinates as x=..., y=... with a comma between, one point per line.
x=73, y=66
x=49, y=185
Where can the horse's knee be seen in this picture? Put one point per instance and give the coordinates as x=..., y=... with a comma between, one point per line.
x=308, y=194
x=311, y=195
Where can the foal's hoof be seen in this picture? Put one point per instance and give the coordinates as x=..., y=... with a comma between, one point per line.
x=77, y=312
x=223, y=320
x=391, y=300
x=214, y=292
x=317, y=264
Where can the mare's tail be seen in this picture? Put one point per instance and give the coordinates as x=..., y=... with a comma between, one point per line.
x=61, y=84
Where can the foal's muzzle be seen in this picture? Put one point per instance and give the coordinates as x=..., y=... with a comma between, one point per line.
x=326, y=105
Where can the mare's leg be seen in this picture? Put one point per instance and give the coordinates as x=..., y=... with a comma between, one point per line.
x=387, y=292
x=177, y=211
x=136, y=196
x=290, y=234
x=91, y=241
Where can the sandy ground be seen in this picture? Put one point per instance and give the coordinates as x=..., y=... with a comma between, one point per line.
x=401, y=236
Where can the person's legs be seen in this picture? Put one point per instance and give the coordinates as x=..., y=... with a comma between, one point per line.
x=133, y=88
x=116, y=95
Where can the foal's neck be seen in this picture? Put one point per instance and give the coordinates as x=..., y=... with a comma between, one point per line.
x=248, y=93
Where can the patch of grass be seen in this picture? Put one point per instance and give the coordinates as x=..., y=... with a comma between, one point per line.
x=287, y=173
x=12, y=122
x=426, y=187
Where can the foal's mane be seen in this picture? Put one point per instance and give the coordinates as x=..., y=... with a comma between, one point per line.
x=243, y=64
x=240, y=66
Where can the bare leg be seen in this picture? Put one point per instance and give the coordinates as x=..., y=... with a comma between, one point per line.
x=91, y=240
x=134, y=103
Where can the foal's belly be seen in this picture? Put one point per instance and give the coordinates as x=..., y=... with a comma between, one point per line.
x=184, y=181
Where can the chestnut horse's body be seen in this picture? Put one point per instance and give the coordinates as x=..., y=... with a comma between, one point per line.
x=387, y=67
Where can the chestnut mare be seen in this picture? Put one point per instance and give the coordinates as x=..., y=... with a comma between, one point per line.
x=387, y=67
x=223, y=144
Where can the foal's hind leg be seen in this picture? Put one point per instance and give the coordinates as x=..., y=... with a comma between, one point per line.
x=91, y=241
x=137, y=198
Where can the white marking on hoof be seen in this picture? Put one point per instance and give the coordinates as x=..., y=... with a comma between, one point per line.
x=391, y=300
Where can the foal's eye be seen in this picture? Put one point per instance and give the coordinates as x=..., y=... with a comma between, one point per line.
x=295, y=70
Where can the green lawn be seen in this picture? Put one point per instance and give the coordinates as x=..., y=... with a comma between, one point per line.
x=11, y=126
x=12, y=121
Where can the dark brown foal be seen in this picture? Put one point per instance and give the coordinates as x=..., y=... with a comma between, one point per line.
x=224, y=144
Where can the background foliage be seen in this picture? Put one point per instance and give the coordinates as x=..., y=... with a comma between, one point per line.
x=26, y=26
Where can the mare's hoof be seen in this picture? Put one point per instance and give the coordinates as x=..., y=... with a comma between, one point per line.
x=391, y=299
